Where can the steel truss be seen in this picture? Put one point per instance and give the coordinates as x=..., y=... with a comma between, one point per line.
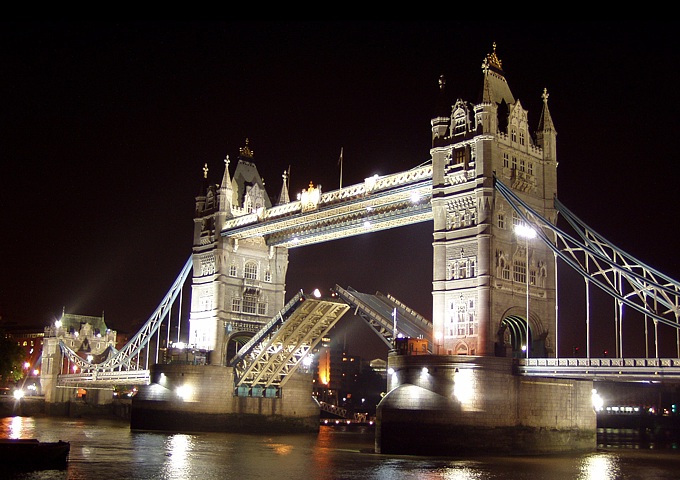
x=271, y=356
x=378, y=310
x=598, y=261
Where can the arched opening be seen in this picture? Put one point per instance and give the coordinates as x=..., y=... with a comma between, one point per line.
x=512, y=338
x=234, y=343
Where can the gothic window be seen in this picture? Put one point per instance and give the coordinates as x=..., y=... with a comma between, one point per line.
x=232, y=271
x=532, y=276
x=505, y=269
x=205, y=301
x=513, y=135
x=249, y=303
x=521, y=138
x=501, y=220
x=268, y=276
x=521, y=165
x=516, y=220
x=235, y=304
x=514, y=163
x=506, y=160
x=462, y=270
x=460, y=330
x=472, y=267
x=460, y=156
x=261, y=308
x=544, y=274
x=460, y=122
x=520, y=271
x=530, y=168
x=250, y=271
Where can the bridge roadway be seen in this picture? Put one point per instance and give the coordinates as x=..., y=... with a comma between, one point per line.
x=613, y=369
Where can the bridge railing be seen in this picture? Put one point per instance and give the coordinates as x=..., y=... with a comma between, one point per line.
x=94, y=378
x=600, y=362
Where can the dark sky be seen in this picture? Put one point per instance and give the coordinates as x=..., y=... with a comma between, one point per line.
x=105, y=128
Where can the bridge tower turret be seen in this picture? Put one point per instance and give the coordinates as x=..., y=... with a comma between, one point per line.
x=237, y=285
x=481, y=281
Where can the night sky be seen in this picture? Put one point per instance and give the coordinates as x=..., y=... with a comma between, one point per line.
x=105, y=128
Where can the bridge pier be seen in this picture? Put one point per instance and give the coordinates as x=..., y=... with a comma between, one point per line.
x=201, y=398
x=453, y=405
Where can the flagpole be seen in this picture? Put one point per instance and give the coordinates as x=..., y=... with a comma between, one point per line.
x=340, y=162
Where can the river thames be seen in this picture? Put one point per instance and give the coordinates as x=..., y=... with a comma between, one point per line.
x=107, y=448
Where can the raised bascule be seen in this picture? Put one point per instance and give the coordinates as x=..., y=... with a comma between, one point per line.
x=488, y=378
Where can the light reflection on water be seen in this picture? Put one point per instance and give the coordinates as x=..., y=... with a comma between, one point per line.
x=598, y=466
x=109, y=449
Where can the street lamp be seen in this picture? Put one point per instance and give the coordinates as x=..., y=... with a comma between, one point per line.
x=527, y=233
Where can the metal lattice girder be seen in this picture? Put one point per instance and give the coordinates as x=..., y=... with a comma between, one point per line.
x=379, y=203
x=126, y=358
x=267, y=330
x=279, y=351
x=378, y=310
x=597, y=260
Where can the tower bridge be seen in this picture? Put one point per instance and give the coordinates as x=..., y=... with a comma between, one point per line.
x=493, y=375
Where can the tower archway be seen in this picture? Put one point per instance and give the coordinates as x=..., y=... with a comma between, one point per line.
x=233, y=344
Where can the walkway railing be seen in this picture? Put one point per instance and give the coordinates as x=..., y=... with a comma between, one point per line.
x=619, y=369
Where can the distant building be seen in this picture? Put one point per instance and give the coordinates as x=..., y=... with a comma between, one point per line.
x=346, y=380
x=30, y=338
x=88, y=336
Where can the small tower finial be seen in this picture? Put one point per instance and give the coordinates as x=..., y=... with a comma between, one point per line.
x=246, y=152
x=492, y=60
x=205, y=170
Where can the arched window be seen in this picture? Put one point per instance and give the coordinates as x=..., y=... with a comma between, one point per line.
x=250, y=271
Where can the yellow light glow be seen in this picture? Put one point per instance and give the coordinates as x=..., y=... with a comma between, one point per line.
x=598, y=401
x=183, y=392
x=463, y=385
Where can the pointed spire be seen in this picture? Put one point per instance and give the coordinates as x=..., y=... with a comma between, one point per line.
x=226, y=189
x=545, y=124
x=495, y=88
x=284, y=196
x=226, y=179
x=546, y=135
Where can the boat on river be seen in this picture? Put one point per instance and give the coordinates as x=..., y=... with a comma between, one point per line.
x=32, y=454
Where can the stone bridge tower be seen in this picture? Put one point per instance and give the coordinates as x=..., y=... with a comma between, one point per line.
x=482, y=283
x=237, y=285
